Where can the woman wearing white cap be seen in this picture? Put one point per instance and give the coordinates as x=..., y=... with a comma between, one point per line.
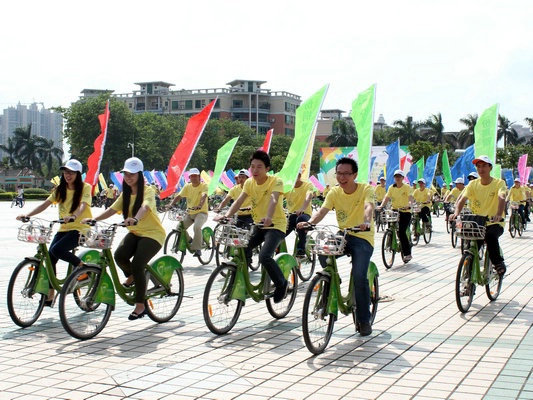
x=146, y=234
x=74, y=199
x=400, y=194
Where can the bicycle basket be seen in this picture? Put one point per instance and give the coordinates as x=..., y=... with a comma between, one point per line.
x=230, y=235
x=390, y=216
x=514, y=205
x=416, y=208
x=34, y=233
x=471, y=227
x=327, y=242
x=466, y=211
x=97, y=238
x=176, y=215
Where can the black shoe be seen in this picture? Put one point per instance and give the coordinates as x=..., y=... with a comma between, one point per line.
x=197, y=253
x=365, y=328
x=281, y=291
x=500, y=269
x=133, y=316
x=300, y=253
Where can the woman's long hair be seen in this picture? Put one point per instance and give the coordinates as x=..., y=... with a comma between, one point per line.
x=61, y=191
x=126, y=195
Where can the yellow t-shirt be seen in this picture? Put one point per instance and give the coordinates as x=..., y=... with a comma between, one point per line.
x=455, y=192
x=149, y=225
x=399, y=196
x=64, y=208
x=326, y=191
x=350, y=208
x=421, y=196
x=110, y=193
x=260, y=197
x=234, y=193
x=193, y=196
x=484, y=198
x=296, y=198
x=444, y=193
x=380, y=193
x=517, y=194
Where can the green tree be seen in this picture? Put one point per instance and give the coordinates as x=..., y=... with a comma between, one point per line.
x=384, y=137
x=465, y=137
x=407, y=131
x=28, y=148
x=436, y=131
x=505, y=130
x=344, y=134
x=509, y=155
x=11, y=151
x=48, y=154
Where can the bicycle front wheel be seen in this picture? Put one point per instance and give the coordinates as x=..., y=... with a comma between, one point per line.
x=221, y=312
x=427, y=232
x=494, y=281
x=281, y=309
x=208, y=250
x=317, y=324
x=172, y=243
x=160, y=305
x=453, y=237
x=81, y=316
x=307, y=263
x=415, y=236
x=23, y=303
x=512, y=228
x=387, y=252
x=374, y=299
x=464, y=288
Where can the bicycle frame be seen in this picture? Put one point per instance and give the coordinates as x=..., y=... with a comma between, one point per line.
x=183, y=244
x=478, y=278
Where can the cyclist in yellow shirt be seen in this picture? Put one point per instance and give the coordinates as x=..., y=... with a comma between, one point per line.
x=353, y=203
x=529, y=195
x=196, y=194
x=299, y=207
x=422, y=196
x=244, y=218
x=400, y=195
x=487, y=196
x=264, y=192
x=518, y=195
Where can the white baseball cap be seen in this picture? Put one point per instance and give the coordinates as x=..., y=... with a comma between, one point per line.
x=482, y=158
x=194, y=171
x=133, y=165
x=382, y=178
x=244, y=172
x=72, y=165
x=517, y=179
x=399, y=172
x=459, y=180
x=422, y=180
x=473, y=174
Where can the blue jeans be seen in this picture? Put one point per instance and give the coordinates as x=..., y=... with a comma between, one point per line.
x=360, y=251
x=62, y=246
x=271, y=238
x=302, y=233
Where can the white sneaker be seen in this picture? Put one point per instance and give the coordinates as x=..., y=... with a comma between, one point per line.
x=406, y=259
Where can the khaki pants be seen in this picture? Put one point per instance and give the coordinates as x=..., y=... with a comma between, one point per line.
x=198, y=220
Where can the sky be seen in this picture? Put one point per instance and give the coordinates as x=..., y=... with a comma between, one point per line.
x=426, y=57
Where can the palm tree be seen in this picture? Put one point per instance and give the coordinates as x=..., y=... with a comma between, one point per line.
x=505, y=130
x=27, y=148
x=465, y=137
x=436, y=131
x=11, y=152
x=344, y=134
x=407, y=131
x=530, y=123
x=48, y=153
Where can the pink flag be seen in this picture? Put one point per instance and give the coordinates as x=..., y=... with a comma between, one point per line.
x=522, y=169
x=315, y=182
x=226, y=181
x=268, y=140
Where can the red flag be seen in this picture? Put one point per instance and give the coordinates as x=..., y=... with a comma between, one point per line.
x=95, y=159
x=181, y=157
x=268, y=140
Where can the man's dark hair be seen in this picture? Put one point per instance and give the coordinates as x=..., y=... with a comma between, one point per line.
x=261, y=156
x=347, y=160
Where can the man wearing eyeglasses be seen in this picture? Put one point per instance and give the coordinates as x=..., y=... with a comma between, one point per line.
x=354, y=207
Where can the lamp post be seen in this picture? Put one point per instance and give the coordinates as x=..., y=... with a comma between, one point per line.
x=132, y=148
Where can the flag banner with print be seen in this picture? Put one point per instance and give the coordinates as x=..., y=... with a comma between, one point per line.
x=95, y=159
x=393, y=162
x=420, y=168
x=268, y=141
x=148, y=177
x=508, y=176
x=162, y=179
x=522, y=169
x=223, y=155
x=306, y=164
x=182, y=155
x=485, y=133
x=316, y=183
x=363, y=118
x=412, y=175
x=440, y=181
x=446, y=168
x=429, y=170
x=306, y=117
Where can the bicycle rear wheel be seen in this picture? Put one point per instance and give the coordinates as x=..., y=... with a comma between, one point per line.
x=23, y=303
x=221, y=312
x=427, y=232
x=317, y=324
x=464, y=288
x=208, y=250
x=494, y=281
x=453, y=237
x=415, y=236
x=281, y=309
x=374, y=299
x=512, y=228
x=160, y=305
x=81, y=316
x=387, y=252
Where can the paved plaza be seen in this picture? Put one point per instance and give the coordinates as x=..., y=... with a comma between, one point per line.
x=422, y=347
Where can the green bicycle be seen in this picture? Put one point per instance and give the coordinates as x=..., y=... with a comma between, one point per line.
x=418, y=229
x=516, y=224
x=323, y=299
x=88, y=295
x=471, y=228
x=229, y=285
x=179, y=241
x=33, y=277
x=390, y=244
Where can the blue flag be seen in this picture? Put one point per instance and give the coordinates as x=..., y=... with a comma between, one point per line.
x=468, y=157
x=440, y=181
x=231, y=175
x=508, y=175
x=412, y=175
x=148, y=177
x=115, y=181
x=393, y=162
x=371, y=164
x=429, y=170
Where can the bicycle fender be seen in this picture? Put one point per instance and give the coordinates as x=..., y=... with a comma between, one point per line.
x=42, y=285
x=90, y=256
x=207, y=232
x=238, y=291
x=286, y=263
x=32, y=259
x=164, y=267
x=324, y=273
x=371, y=274
x=105, y=292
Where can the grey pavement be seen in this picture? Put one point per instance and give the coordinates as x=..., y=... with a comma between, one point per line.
x=422, y=347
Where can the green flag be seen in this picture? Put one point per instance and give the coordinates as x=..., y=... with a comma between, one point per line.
x=363, y=118
x=420, y=167
x=306, y=116
x=496, y=171
x=485, y=133
x=223, y=155
x=446, y=168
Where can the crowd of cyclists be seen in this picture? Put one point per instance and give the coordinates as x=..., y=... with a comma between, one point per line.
x=258, y=199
